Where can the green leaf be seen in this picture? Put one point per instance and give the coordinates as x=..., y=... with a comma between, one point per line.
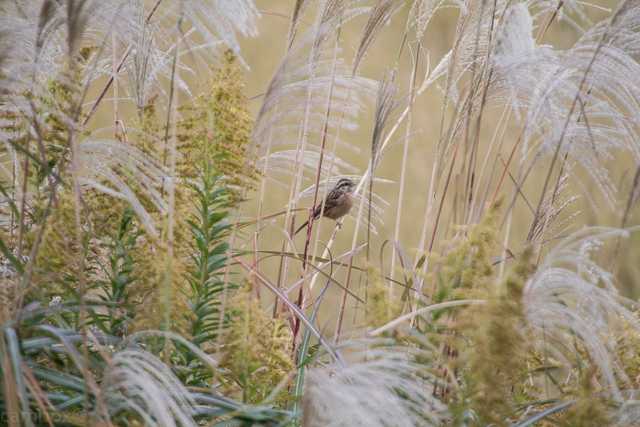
x=16, y=363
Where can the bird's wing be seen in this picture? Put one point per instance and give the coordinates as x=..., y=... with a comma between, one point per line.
x=329, y=203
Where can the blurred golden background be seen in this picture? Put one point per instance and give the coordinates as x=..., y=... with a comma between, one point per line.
x=263, y=55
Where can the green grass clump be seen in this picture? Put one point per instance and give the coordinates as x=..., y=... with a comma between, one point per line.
x=256, y=350
x=217, y=126
x=381, y=307
x=494, y=360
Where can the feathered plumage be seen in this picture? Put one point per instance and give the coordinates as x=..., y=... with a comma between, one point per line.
x=337, y=203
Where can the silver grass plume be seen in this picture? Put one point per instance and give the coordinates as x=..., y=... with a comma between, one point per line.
x=298, y=11
x=571, y=12
x=515, y=36
x=149, y=62
x=420, y=15
x=78, y=13
x=381, y=385
x=220, y=20
x=108, y=165
x=280, y=163
x=385, y=105
x=213, y=24
x=46, y=35
x=541, y=83
x=331, y=15
x=379, y=16
x=570, y=297
x=295, y=103
x=36, y=40
x=473, y=36
x=555, y=217
x=137, y=381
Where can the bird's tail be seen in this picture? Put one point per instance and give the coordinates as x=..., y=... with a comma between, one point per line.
x=316, y=214
x=301, y=227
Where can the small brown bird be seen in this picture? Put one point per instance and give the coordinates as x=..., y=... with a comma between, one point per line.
x=337, y=204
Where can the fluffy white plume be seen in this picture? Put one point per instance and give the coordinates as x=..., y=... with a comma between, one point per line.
x=312, y=88
x=221, y=19
x=382, y=385
x=515, y=37
x=579, y=100
x=108, y=165
x=421, y=13
x=137, y=381
x=571, y=297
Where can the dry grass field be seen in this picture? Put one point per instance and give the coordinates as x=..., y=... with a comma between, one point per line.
x=464, y=176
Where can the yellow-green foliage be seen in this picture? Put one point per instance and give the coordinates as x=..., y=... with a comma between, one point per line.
x=170, y=298
x=468, y=265
x=495, y=356
x=58, y=108
x=55, y=108
x=628, y=350
x=257, y=349
x=151, y=141
x=62, y=259
x=381, y=307
x=8, y=291
x=589, y=410
x=150, y=137
x=104, y=211
x=217, y=128
x=159, y=303
x=214, y=130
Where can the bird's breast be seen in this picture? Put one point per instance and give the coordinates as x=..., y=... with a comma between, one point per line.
x=342, y=207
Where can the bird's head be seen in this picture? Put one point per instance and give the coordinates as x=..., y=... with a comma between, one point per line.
x=345, y=184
